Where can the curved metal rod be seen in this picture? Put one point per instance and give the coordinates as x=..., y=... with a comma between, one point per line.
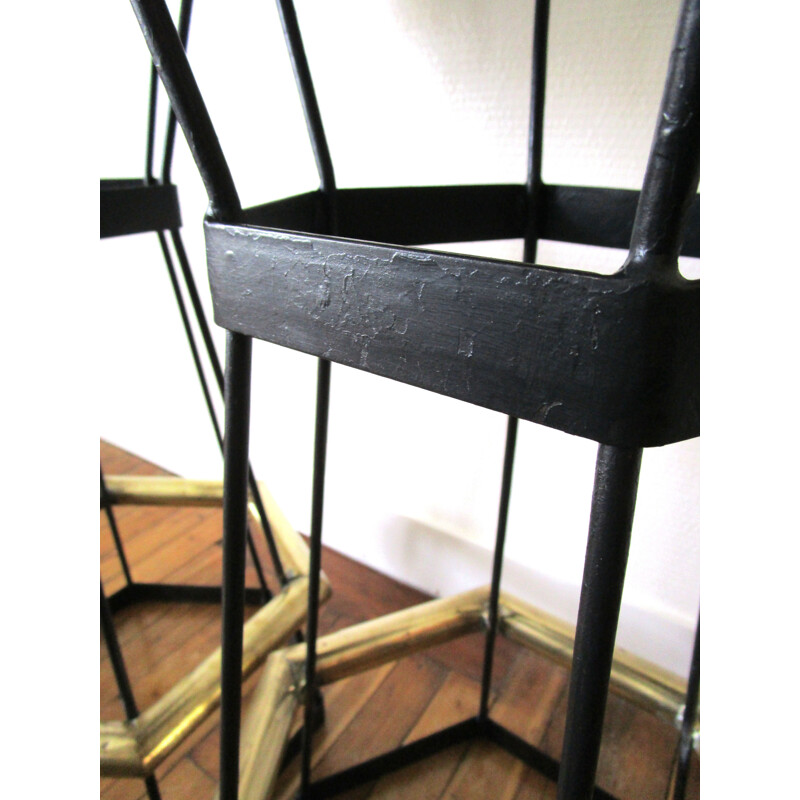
x=169, y=138
x=184, y=95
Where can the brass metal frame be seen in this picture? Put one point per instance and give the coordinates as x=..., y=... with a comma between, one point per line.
x=388, y=638
x=136, y=747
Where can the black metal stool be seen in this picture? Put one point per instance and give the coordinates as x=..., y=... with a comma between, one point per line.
x=614, y=359
x=136, y=747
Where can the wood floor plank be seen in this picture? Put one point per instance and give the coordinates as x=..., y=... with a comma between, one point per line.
x=486, y=771
x=368, y=713
x=528, y=697
x=457, y=699
x=534, y=786
x=389, y=715
x=344, y=700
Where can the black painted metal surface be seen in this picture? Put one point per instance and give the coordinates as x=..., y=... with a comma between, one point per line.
x=613, y=502
x=234, y=527
x=418, y=215
x=133, y=206
x=610, y=358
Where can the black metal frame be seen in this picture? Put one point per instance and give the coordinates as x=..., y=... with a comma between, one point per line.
x=610, y=358
x=132, y=205
x=150, y=205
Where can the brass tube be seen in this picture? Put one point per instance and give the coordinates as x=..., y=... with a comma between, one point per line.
x=293, y=550
x=167, y=490
x=119, y=750
x=267, y=729
x=137, y=747
x=161, y=727
x=370, y=644
x=162, y=490
x=652, y=688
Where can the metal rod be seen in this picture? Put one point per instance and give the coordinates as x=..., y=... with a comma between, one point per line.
x=652, y=688
x=686, y=740
x=151, y=126
x=190, y=109
x=234, y=512
x=169, y=138
x=315, y=560
x=500, y=540
x=673, y=168
x=187, y=327
x=533, y=186
x=316, y=130
x=533, y=193
x=190, y=337
x=213, y=358
x=115, y=654
x=613, y=503
x=107, y=505
x=152, y=788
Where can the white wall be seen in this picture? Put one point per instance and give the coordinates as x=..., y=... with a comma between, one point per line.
x=411, y=92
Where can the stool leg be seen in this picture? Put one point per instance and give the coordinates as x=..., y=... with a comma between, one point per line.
x=234, y=526
x=613, y=503
x=315, y=564
x=497, y=568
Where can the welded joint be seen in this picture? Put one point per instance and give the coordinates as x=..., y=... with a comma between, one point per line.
x=486, y=614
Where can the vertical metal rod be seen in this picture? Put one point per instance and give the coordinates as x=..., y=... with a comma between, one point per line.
x=686, y=741
x=169, y=139
x=115, y=654
x=541, y=22
x=190, y=336
x=500, y=540
x=315, y=562
x=613, y=503
x=152, y=787
x=106, y=505
x=265, y=592
x=329, y=223
x=533, y=191
x=188, y=106
x=151, y=126
x=234, y=511
x=211, y=352
x=308, y=97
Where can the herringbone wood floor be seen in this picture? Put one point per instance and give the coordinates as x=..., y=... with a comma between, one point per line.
x=366, y=714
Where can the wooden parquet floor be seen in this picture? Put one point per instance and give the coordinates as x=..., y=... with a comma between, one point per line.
x=368, y=713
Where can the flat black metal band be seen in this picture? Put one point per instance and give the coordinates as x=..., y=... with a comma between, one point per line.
x=129, y=205
x=611, y=358
x=174, y=593
x=461, y=732
x=417, y=215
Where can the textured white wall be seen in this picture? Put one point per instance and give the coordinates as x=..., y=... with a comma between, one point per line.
x=412, y=92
